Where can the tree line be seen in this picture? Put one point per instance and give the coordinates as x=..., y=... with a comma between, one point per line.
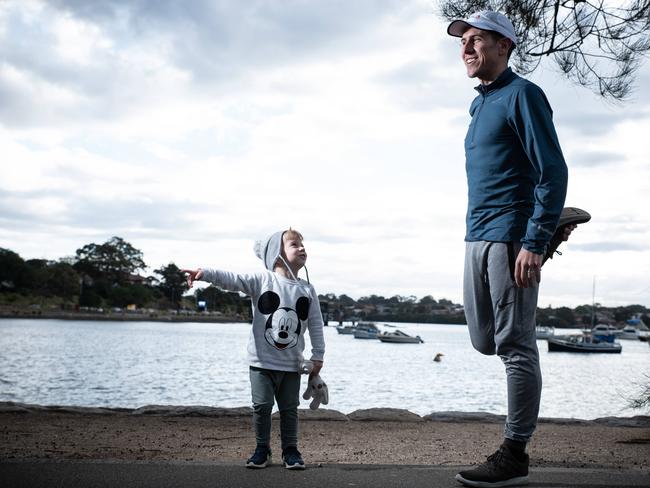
x=429, y=310
x=111, y=275
x=97, y=276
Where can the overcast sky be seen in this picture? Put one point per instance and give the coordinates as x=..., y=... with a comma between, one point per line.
x=191, y=129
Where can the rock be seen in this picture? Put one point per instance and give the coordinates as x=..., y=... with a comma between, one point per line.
x=322, y=414
x=10, y=407
x=636, y=421
x=385, y=415
x=453, y=416
x=192, y=411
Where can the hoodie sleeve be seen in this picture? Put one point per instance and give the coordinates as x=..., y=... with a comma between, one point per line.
x=315, y=326
x=534, y=125
x=247, y=284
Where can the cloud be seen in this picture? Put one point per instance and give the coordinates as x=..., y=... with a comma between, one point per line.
x=219, y=39
x=193, y=128
x=419, y=86
x=582, y=113
x=138, y=215
x=610, y=246
x=590, y=159
x=72, y=61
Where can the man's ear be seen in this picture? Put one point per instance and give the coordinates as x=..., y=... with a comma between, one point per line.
x=504, y=46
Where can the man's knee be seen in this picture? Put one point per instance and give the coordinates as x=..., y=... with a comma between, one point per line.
x=484, y=346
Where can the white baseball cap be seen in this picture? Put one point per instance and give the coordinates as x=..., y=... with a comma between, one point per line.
x=484, y=20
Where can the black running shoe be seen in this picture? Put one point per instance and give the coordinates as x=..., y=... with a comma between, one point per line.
x=501, y=469
x=261, y=458
x=292, y=458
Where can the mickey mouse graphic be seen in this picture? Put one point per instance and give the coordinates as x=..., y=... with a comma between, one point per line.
x=284, y=324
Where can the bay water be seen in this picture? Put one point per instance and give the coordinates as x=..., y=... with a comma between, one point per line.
x=132, y=364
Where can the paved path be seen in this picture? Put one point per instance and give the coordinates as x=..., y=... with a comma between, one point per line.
x=100, y=474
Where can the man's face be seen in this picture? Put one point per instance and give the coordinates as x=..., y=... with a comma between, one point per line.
x=484, y=56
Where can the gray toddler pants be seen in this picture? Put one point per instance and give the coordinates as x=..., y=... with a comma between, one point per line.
x=501, y=320
x=284, y=386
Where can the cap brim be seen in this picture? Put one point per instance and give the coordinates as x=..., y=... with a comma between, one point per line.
x=457, y=28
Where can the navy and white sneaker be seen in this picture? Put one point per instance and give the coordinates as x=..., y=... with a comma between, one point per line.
x=292, y=458
x=261, y=458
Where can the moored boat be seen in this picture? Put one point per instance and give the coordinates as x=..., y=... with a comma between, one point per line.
x=345, y=329
x=366, y=330
x=641, y=330
x=605, y=330
x=585, y=343
x=399, y=337
x=544, y=331
x=629, y=332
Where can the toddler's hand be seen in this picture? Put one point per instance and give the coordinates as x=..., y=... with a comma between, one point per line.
x=192, y=275
x=317, y=367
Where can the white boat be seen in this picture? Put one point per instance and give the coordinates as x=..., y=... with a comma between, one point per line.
x=583, y=343
x=544, y=331
x=635, y=329
x=629, y=332
x=366, y=330
x=605, y=330
x=399, y=337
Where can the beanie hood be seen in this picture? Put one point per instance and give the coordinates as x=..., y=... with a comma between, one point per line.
x=269, y=250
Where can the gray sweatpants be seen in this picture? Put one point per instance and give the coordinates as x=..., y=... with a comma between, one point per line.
x=284, y=386
x=501, y=320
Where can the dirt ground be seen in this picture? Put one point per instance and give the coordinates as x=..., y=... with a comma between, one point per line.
x=335, y=438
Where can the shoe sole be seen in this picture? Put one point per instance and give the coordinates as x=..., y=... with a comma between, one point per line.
x=573, y=215
x=518, y=481
x=294, y=466
x=256, y=466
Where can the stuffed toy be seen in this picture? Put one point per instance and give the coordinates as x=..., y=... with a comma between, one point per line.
x=317, y=390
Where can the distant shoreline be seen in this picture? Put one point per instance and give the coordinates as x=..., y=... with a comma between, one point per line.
x=120, y=316
x=156, y=316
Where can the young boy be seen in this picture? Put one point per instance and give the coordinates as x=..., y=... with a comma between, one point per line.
x=283, y=307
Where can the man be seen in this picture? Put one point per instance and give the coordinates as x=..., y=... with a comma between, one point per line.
x=517, y=181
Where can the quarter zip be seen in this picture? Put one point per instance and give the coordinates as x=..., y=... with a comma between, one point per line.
x=475, y=119
x=484, y=91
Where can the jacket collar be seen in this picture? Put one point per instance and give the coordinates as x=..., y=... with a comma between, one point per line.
x=504, y=79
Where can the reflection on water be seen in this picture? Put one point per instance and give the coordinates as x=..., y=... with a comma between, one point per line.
x=131, y=364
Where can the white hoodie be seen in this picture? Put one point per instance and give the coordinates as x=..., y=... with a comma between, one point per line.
x=282, y=309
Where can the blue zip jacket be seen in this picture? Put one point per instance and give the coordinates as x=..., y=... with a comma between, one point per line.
x=516, y=174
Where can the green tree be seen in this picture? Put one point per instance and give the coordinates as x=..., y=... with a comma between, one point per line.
x=428, y=300
x=111, y=262
x=62, y=280
x=13, y=271
x=51, y=278
x=173, y=283
x=598, y=45
x=346, y=300
x=135, y=294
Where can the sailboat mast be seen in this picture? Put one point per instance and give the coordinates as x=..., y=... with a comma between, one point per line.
x=593, y=301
